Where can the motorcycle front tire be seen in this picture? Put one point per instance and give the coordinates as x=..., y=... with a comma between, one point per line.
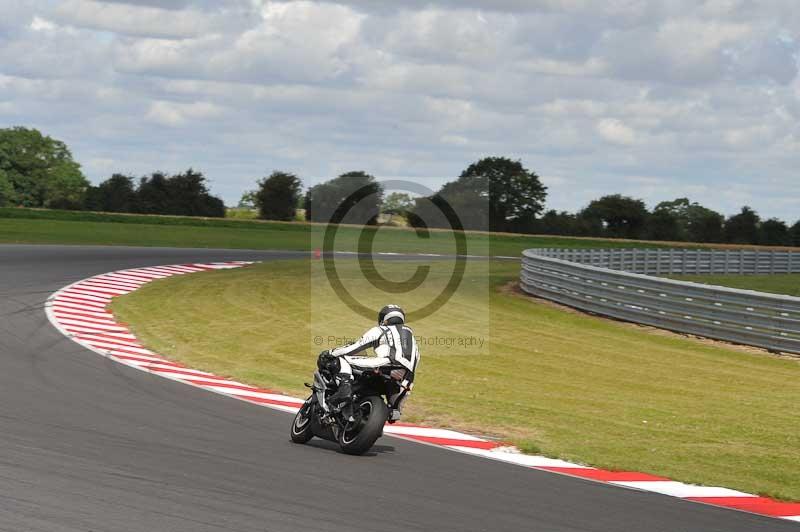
x=301, y=426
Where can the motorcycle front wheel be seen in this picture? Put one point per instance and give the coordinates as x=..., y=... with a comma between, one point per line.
x=359, y=436
x=301, y=426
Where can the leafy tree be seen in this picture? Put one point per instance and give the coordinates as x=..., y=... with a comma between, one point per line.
x=116, y=194
x=794, y=234
x=742, y=228
x=552, y=223
x=617, y=216
x=515, y=194
x=679, y=210
x=495, y=194
x=467, y=209
x=774, y=232
x=705, y=225
x=354, y=197
x=214, y=207
x=397, y=203
x=189, y=196
x=7, y=195
x=40, y=169
x=663, y=225
x=183, y=194
x=562, y=223
x=152, y=194
x=695, y=222
x=277, y=196
x=248, y=200
x=556, y=223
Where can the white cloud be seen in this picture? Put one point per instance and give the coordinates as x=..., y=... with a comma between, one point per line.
x=457, y=140
x=101, y=165
x=292, y=42
x=134, y=20
x=569, y=108
x=179, y=114
x=749, y=136
x=40, y=24
x=649, y=99
x=615, y=131
x=465, y=37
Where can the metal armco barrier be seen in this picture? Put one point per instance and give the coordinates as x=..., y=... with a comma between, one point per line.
x=680, y=261
x=594, y=281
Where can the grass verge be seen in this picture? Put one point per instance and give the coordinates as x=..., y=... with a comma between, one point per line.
x=41, y=226
x=564, y=384
x=787, y=284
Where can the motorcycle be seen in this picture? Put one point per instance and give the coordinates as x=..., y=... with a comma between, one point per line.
x=357, y=426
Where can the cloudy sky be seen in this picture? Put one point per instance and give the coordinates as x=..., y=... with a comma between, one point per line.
x=655, y=99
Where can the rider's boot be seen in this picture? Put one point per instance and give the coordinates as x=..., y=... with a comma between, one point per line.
x=396, y=402
x=344, y=394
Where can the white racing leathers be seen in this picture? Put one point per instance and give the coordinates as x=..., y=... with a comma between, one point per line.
x=395, y=346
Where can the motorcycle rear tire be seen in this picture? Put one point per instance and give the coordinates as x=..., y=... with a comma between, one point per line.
x=376, y=414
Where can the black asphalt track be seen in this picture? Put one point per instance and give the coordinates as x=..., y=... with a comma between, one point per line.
x=89, y=445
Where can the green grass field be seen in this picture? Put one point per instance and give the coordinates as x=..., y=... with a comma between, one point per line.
x=75, y=227
x=788, y=284
x=241, y=214
x=554, y=382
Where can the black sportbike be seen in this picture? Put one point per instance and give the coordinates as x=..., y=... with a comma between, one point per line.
x=356, y=426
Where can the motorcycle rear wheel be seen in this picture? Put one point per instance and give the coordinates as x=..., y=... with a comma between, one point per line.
x=360, y=439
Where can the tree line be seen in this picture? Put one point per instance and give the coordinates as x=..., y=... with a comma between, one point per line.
x=184, y=194
x=493, y=194
x=679, y=220
x=499, y=194
x=38, y=171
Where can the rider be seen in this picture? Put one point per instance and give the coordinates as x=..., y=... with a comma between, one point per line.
x=394, y=345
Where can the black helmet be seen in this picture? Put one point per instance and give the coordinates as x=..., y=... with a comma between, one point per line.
x=393, y=313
